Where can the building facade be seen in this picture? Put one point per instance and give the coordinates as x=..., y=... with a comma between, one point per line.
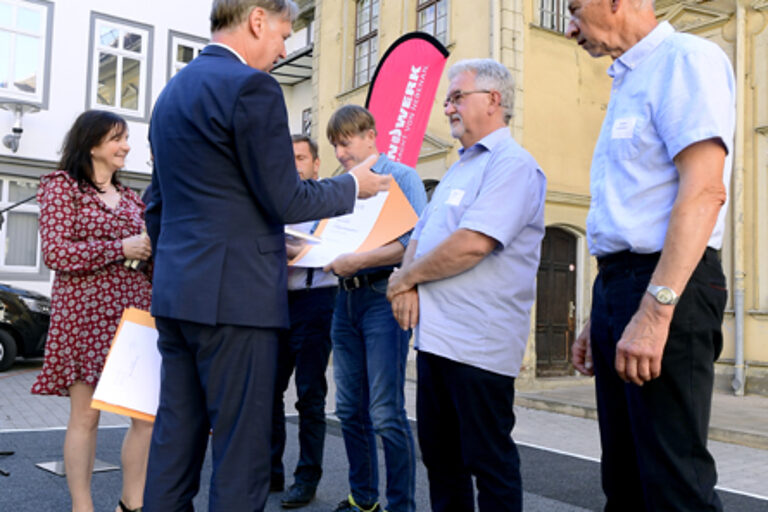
x=561, y=97
x=59, y=58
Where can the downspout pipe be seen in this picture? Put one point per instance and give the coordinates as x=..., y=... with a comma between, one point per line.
x=739, y=274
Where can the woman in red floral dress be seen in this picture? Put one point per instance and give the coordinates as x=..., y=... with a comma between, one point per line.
x=89, y=225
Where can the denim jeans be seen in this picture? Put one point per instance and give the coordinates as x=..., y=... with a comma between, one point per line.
x=369, y=360
x=305, y=347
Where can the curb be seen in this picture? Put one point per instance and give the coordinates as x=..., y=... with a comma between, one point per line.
x=716, y=432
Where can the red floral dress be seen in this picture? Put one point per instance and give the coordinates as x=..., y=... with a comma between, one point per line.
x=82, y=242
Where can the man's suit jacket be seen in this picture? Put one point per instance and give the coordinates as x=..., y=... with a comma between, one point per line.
x=223, y=187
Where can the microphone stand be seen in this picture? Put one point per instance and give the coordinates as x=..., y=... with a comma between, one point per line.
x=14, y=205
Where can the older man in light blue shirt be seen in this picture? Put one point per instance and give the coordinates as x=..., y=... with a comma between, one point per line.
x=468, y=284
x=659, y=183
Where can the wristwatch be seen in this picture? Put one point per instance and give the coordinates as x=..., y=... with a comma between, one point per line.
x=663, y=294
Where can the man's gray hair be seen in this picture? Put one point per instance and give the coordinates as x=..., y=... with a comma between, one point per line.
x=492, y=75
x=230, y=13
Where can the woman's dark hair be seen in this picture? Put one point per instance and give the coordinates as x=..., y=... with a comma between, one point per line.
x=89, y=130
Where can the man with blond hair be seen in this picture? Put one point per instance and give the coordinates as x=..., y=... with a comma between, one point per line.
x=369, y=348
x=224, y=186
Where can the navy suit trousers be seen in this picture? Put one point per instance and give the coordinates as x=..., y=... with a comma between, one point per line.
x=220, y=378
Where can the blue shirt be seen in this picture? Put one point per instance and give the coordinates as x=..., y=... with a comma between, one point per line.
x=481, y=317
x=412, y=187
x=298, y=277
x=670, y=90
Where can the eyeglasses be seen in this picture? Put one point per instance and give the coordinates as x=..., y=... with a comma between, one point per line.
x=456, y=96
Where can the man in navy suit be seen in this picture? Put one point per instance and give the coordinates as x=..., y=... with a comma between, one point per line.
x=223, y=187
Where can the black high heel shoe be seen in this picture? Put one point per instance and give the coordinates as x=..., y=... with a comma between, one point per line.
x=123, y=508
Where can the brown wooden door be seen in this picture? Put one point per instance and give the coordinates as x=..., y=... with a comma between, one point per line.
x=555, y=304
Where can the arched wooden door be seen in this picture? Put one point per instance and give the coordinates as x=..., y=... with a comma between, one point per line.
x=556, y=303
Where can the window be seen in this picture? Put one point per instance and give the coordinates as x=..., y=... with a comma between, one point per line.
x=25, y=36
x=432, y=17
x=553, y=15
x=119, y=66
x=182, y=48
x=21, y=245
x=366, y=40
x=306, y=121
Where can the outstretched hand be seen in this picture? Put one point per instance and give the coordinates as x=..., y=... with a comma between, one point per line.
x=368, y=182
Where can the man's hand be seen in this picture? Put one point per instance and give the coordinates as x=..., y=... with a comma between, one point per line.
x=293, y=246
x=405, y=307
x=398, y=283
x=345, y=265
x=641, y=347
x=581, y=351
x=369, y=183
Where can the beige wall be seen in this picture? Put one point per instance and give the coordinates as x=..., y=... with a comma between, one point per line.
x=562, y=94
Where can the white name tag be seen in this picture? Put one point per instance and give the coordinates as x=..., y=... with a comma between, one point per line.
x=623, y=128
x=455, y=198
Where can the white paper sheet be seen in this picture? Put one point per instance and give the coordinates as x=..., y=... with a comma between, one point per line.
x=344, y=234
x=131, y=376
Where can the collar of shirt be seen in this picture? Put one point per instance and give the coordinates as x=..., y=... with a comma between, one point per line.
x=240, y=57
x=378, y=167
x=488, y=142
x=641, y=50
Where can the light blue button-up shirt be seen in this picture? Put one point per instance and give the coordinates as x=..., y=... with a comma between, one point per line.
x=481, y=317
x=669, y=91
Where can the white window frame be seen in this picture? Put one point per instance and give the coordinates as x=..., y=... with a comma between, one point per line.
x=370, y=38
x=554, y=15
x=40, y=96
x=422, y=28
x=22, y=208
x=174, y=40
x=98, y=21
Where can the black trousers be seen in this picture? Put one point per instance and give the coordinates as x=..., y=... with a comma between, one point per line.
x=305, y=347
x=465, y=421
x=213, y=377
x=654, y=437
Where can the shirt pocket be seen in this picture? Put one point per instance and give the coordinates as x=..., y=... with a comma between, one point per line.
x=625, y=141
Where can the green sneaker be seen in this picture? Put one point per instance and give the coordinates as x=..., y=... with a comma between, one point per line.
x=349, y=505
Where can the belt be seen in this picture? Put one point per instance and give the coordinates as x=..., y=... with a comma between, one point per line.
x=630, y=259
x=355, y=282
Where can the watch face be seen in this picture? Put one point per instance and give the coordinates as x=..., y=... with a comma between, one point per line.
x=665, y=296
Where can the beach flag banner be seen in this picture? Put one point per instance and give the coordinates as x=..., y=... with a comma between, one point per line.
x=402, y=93
x=130, y=382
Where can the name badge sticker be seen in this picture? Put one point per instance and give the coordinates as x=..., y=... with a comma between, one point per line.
x=455, y=198
x=623, y=128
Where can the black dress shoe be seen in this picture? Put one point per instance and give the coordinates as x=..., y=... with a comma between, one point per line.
x=299, y=495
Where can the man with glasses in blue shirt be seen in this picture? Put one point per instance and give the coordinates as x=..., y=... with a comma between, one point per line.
x=467, y=284
x=658, y=184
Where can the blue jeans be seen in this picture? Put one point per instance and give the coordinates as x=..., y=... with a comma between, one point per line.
x=305, y=347
x=369, y=360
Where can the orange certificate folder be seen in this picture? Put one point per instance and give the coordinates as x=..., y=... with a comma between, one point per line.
x=130, y=382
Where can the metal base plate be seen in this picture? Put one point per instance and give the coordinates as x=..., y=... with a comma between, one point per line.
x=57, y=467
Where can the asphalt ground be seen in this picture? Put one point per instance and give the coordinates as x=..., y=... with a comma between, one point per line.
x=553, y=481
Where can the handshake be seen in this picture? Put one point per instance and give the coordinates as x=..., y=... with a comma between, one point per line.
x=137, y=250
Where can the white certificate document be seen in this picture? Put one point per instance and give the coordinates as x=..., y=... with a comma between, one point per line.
x=375, y=222
x=130, y=382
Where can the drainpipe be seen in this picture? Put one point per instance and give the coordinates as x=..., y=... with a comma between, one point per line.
x=495, y=41
x=738, y=203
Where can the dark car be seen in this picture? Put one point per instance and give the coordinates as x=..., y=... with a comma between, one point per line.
x=24, y=317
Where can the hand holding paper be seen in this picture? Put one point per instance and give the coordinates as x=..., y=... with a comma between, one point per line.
x=368, y=182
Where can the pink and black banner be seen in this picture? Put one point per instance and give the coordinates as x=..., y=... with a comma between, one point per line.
x=402, y=92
